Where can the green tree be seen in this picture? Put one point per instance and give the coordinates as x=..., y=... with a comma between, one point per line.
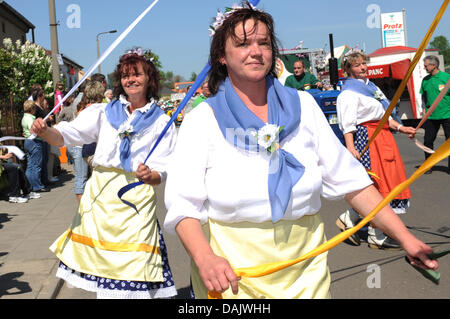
x=6, y=69
x=154, y=58
x=178, y=78
x=193, y=76
x=441, y=43
x=168, y=80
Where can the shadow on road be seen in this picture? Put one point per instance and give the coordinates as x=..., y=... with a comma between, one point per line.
x=11, y=285
x=4, y=218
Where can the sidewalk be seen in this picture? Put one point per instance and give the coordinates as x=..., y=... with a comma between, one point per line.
x=27, y=266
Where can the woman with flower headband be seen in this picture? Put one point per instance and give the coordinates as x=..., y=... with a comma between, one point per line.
x=111, y=248
x=260, y=155
x=360, y=107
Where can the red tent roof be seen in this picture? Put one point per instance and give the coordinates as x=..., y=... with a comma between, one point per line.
x=392, y=50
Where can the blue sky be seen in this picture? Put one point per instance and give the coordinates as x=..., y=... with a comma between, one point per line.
x=177, y=30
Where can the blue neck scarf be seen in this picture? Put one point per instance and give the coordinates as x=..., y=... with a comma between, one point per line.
x=284, y=110
x=116, y=115
x=369, y=89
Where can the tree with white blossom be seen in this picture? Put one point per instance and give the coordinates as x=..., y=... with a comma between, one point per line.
x=21, y=66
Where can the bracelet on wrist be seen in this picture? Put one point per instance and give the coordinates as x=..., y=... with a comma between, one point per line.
x=398, y=127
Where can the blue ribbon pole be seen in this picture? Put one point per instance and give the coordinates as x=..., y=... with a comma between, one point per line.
x=198, y=82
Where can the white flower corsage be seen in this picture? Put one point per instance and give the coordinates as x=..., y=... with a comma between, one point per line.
x=378, y=95
x=267, y=137
x=125, y=130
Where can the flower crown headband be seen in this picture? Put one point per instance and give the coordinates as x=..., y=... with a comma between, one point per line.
x=222, y=16
x=140, y=52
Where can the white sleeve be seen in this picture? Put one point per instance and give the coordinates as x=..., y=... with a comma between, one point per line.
x=341, y=172
x=185, y=192
x=346, y=106
x=160, y=157
x=84, y=129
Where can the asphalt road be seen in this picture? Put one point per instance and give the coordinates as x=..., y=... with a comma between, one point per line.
x=361, y=272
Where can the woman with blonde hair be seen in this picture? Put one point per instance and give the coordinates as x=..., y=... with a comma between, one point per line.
x=93, y=93
x=360, y=106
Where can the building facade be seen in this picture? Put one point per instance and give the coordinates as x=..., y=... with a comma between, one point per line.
x=13, y=25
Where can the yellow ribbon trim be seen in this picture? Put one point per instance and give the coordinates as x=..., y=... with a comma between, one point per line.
x=413, y=64
x=372, y=173
x=267, y=269
x=105, y=245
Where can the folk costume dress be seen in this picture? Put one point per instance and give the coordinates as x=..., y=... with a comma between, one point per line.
x=111, y=248
x=249, y=217
x=360, y=107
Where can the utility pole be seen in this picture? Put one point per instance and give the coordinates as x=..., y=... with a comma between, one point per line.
x=54, y=40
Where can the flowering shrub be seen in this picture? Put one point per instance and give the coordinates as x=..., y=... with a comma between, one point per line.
x=21, y=66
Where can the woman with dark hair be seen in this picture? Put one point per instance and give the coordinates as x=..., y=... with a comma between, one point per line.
x=113, y=249
x=260, y=155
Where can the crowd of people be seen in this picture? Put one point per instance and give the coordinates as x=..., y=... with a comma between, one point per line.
x=231, y=172
x=42, y=163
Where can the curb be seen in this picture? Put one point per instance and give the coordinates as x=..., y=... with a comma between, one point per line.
x=52, y=286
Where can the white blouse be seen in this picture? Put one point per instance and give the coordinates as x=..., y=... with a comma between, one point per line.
x=355, y=108
x=91, y=125
x=210, y=178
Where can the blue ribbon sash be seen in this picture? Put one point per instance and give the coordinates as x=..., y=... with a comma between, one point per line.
x=369, y=89
x=116, y=115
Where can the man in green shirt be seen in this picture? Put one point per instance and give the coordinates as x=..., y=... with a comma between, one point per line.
x=203, y=96
x=431, y=86
x=301, y=80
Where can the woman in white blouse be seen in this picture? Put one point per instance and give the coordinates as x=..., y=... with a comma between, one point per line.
x=360, y=107
x=223, y=192
x=111, y=248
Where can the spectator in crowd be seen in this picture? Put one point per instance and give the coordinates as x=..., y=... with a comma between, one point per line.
x=108, y=95
x=35, y=87
x=302, y=80
x=53, y=151
x=431, y=86
x=41, y=111
x=19, y=188
x=203, y=96
x=79, y=96
x=34, y=148
x=58, y=96
x=93, y=93
x=102, y=79
x=67, y=113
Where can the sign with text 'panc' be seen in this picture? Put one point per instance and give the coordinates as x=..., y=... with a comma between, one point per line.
x=393, y=29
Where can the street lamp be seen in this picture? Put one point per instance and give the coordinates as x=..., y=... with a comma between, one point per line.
x=98, y=47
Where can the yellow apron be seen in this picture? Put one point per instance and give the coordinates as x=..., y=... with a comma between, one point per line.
x=110, y=239
x=248, y=244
